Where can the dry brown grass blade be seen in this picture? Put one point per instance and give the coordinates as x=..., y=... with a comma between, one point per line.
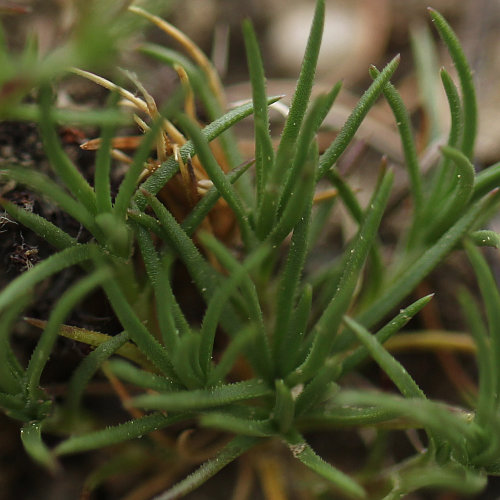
x=432, y=340
x=99, y=80
x=189, y=106
x=244, y=481
x=125, y=399
x=92, y=338
x=325, y=195
x=450, y=363
x=155, y=484
x=128, y=142
x=191, y=48
x=272, y=477
x=122, y=393
x=197, y=446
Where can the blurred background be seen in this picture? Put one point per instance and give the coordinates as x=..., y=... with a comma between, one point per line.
x=358, y=33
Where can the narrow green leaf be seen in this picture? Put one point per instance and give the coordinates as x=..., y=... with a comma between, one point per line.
x=132, y=429
x=10, y=403
x=394, y=370
x=34, y=411
x=287, y=147
x=11, y=372
x=385, y=333
x=199, y=212
x=117, y=235
x=456, y=201
x=305, y=81
x=60, y=162
x=450, y=477
x=47, y=187
x=203, y=275
x=485, y=238
x=325, y=330
x=260, y=355
x=354, y=208
x=141, y=378
x=186, y=361
x=166, y=262
x=103, y=163
x=486, y=181
x=344, y=137
x=203, y=398
x=284, y=407
x=146, y=342
x=147, y=222
x=17, y=289
x=408, y=142
x=164, y=295
x=293, y=338
x=238, y=425
x=303, y=452
x=466, y=82
x=423, y=265
x=86, y=117
x=149, y=254
x=31, y=437
x=313, y=119
x=48, y=338
x=456, y=112
x=95, y=339
x=10, y=383
x=287, y=290
x=348, y=416
x=88, y=367
x=264, y=152
x=223, y=294
x=299, y=201
x=491, y=298
x=39, y=225
x=230, y=452
x=487, y=400
x=440, y=184
x=455, y=426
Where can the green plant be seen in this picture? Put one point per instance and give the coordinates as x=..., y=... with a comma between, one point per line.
x=299, y=335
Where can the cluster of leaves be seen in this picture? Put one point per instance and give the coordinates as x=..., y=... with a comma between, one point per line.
x=299, y=334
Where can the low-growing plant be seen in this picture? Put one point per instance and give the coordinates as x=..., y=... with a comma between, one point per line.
x=298, y=334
